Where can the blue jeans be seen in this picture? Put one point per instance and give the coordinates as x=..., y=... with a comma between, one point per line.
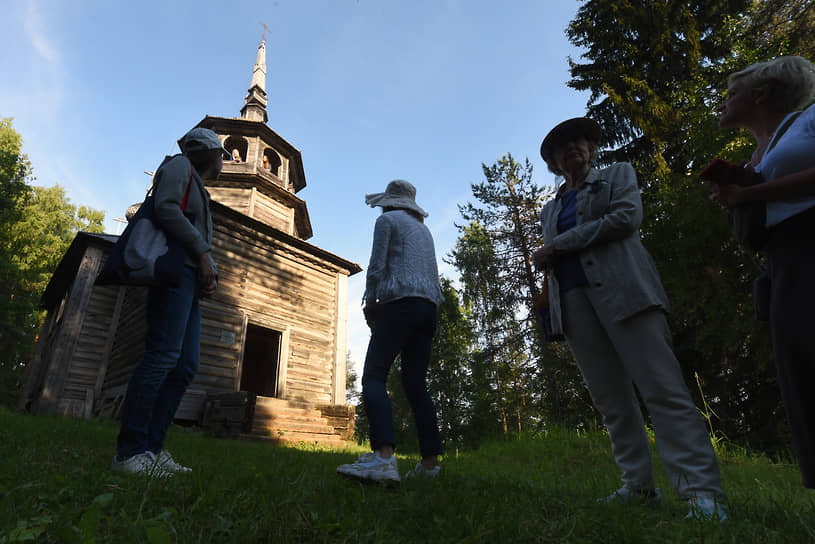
x=403, y=326
x=168, y=365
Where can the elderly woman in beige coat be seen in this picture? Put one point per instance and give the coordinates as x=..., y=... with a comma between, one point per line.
x=608, y=301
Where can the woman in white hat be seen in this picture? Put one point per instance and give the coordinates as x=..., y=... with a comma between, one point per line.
x=608, y=301
x=401, y=300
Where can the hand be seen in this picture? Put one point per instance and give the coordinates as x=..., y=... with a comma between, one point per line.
x=208, y=275
x=546, y=256
x=728, y=196
x=371, y=312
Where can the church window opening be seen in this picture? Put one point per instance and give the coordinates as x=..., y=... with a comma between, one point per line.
x=271, y=161
x=238, y=146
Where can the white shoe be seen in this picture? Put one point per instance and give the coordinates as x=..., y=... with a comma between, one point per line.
x=371, y=467
x=141, y=463
x=706, y=508
x=420, y=472
x=626, y=495
x=166, y=461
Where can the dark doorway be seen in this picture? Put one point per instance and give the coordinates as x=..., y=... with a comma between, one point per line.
x=261, y=358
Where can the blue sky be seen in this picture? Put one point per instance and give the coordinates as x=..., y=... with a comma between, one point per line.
x=367, y=90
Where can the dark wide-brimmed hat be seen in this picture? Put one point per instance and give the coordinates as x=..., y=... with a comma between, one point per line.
x=399, y=194
x=568, y=130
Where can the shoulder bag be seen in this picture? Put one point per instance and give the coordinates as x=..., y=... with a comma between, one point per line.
x=540, y=305
x=144, y=254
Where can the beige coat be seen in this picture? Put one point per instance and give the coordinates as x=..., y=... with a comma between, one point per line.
x=623, y=279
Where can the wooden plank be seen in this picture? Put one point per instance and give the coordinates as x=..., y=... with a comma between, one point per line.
x=69, y=331
x=35, y=373
x=110, y=337
x=241, y=351
x=88, y=409
x=252, y=198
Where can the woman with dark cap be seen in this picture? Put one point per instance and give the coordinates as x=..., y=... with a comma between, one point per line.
x=402, y=295
x=173, y=341
x=608, y=301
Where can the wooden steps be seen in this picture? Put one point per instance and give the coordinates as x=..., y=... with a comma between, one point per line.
x=251, y=416
x=293, y=422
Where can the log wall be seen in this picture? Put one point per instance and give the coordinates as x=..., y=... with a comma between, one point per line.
x=281, y=288
x=257, y=205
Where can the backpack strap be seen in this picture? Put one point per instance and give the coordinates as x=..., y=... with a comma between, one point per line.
x=186, y=192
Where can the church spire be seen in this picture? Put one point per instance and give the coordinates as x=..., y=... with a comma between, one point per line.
x=254, y=106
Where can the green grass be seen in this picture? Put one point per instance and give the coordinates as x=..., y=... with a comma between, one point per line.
x=55, y=486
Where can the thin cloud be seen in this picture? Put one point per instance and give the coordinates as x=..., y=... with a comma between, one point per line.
x=37, y=34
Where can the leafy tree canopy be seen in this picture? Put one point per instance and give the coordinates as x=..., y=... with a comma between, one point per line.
x=37, y=224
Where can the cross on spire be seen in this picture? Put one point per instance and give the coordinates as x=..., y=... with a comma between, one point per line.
x=265, y=28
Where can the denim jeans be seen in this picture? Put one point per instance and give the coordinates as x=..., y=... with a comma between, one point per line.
x=168, y=365
x=403, y=326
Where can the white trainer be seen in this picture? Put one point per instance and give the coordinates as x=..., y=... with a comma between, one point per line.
x=141, y=463
x=706, y=508
x=420, y=472
x=166, y=461
x=373, y=468
x=625, y=495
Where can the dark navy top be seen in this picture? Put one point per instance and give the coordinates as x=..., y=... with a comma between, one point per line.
x=568, y=271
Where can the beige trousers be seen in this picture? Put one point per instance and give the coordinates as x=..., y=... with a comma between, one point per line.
x=613, y=357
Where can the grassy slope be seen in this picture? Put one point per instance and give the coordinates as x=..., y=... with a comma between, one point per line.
x=55, y=486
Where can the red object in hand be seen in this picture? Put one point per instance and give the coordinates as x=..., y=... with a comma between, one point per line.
x=724, y=173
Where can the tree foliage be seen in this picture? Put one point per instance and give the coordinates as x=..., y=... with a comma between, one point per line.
x=530, y=382
x=37, y=224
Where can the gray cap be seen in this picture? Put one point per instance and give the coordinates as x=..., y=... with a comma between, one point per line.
x=201, y=139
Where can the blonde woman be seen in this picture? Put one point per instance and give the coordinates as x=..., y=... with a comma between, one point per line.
x=771, y=100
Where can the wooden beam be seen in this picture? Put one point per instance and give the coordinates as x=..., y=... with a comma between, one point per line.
x=111, y=337
x=68, y=334
x=340, y=331
x=38, y=365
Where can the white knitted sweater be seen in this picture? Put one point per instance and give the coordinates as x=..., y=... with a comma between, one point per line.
x=403, y=261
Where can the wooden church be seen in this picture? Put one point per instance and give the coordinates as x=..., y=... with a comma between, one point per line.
x=273, y=338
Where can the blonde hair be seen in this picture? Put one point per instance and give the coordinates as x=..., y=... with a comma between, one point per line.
x=791, y=79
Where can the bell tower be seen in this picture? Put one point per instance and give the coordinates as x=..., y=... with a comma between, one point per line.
x=267, y=171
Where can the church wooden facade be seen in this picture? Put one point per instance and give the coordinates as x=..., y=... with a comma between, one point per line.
x=275, y=328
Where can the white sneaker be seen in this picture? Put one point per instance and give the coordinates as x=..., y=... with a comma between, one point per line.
x=706, y=508
x=166, y=461
x=420, y=472
x=371, y=467
x=141, y=463
x=626, y=495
